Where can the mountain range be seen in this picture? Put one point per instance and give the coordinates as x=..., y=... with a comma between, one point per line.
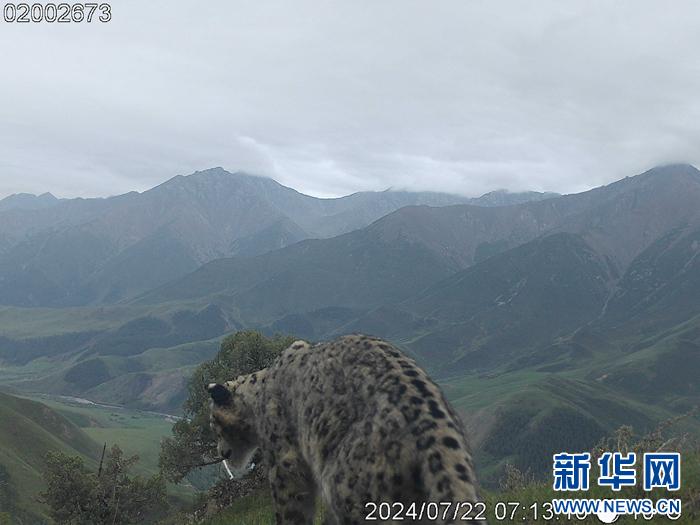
x=549, y=320
x=71, y=252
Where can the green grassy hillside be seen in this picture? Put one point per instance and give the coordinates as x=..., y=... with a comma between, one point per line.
x=125, y=355
x=501, y=308
x=32, y=427
x=28, y=431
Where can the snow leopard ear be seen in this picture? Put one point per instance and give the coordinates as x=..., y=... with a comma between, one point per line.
x=219, y=393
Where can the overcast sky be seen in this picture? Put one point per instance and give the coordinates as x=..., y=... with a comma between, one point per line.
x=335, y=97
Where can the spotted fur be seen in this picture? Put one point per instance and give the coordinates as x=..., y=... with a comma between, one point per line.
x=352, y=421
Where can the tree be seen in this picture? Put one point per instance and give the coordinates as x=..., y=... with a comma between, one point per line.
x=78, y=496
x=193, y=443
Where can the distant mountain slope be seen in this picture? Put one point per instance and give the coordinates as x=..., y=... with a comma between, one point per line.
x=412, y=248
x=68, y=252
x=661, y=285
x=82, y=251
x=27, y=201
x=625, y=265
x=496, y=310
x=507, y=198
x=358, y=269
x=624, y=218
x=28, y=431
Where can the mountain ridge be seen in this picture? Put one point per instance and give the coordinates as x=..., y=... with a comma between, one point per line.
x=462, y=235
x=27, y=201
x=77, y=251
